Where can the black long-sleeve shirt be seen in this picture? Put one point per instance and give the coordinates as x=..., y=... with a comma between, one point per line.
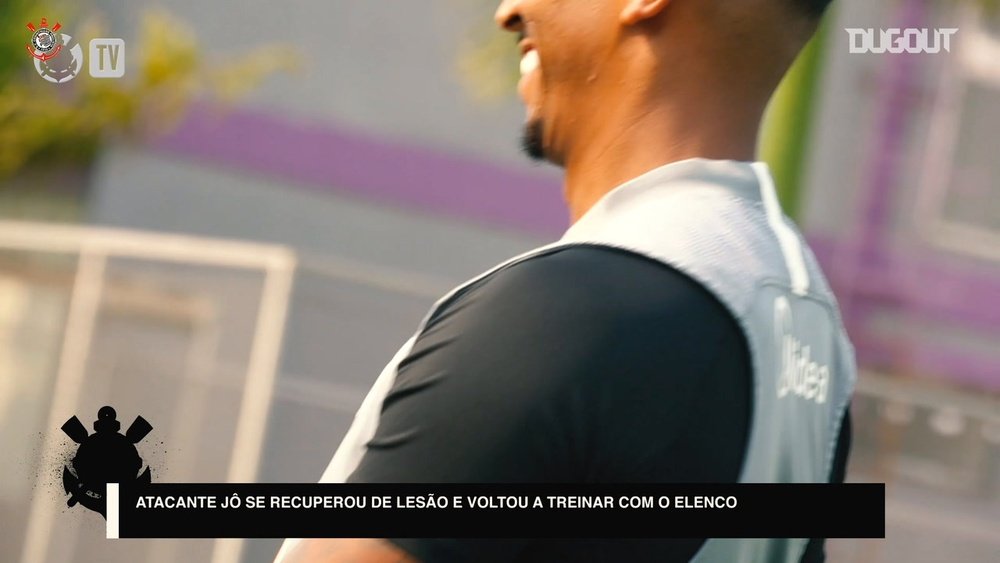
x=587, y=364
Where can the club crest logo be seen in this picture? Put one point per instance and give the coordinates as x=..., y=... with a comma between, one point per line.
x=106, y=456
x=45, y=43
x=57, y=57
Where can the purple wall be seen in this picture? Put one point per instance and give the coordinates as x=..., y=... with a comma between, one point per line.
x=870, y=279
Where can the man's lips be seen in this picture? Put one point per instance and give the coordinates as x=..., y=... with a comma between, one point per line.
x=525, y=45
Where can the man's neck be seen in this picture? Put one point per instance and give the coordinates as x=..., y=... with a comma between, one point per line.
x=629, y=143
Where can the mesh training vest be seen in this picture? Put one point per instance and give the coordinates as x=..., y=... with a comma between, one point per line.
x=720, y=223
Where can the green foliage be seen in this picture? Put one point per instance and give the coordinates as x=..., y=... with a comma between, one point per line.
x=488, y=63
x=488, y=57
x=14, y=14
x=60, y=123
x=787, y=126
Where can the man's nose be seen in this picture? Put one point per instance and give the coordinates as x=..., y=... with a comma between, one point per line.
x=508, y=15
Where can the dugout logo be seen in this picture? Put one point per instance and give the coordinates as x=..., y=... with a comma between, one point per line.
x=106, y=456
x=896, y=40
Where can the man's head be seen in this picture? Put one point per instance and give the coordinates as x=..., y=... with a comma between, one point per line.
x=585, y=63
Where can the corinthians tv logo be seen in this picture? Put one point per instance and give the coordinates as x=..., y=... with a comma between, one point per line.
x=58, y=58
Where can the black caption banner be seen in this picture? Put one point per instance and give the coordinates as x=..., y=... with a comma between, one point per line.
x=260, y=510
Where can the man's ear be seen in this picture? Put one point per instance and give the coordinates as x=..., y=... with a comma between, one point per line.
x=637, y=11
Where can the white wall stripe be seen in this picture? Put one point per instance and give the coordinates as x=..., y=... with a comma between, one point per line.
x=111, y=497
x=791, y=247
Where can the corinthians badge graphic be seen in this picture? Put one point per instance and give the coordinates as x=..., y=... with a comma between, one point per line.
x=58, y=57
x=106, y=456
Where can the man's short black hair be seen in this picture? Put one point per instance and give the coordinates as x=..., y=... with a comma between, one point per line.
x=813, y=8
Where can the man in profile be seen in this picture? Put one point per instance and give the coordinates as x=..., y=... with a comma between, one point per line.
x=680, y=331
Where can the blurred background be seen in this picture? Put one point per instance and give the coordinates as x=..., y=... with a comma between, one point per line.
x=233, y=239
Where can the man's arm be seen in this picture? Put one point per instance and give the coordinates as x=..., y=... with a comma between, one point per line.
x=584, y=365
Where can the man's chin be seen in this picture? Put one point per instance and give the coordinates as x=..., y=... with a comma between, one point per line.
x=532, y=140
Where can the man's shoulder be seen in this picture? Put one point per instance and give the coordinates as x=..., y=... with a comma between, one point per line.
x=578, y=289
x=593, y=275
